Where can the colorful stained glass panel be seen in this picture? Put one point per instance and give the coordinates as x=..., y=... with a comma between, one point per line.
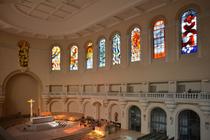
x=56, y=58
x=159, y=40
x=102, y=49
x=89, y=56
x=189, y=42
x=135, y=45
x=74, y=58
x=116, y=49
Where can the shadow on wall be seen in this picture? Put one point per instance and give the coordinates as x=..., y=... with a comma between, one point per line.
x=19, y=89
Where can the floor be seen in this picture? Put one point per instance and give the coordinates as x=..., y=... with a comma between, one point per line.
x=70, y=132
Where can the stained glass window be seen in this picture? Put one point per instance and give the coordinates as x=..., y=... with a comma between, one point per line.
x=116, y=49
x=101, y=47
x=135, y=45
x=189, y=42
x=159, y=39
x=89, y=56
x=74, y=58
x=56, y=58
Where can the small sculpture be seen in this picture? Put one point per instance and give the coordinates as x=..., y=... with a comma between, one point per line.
x=23, y=53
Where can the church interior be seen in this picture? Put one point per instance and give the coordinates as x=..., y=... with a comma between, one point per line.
x=104, y=70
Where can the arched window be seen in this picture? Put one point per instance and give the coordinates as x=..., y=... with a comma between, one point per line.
x=158, y=120
x=116, y=49
x=89, y=56
x=159, y=39
x=102, y=55
x=56, y=58
x=189, y=32
x=134, y=116
x=74, y=58
x=189, y=125
x=135, y=44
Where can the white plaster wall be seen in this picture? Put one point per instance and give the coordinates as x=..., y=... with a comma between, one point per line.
x=56, y=106
x=19, y=89
x=113, y=109
x=73, y=107
x=89, y=110
x=174, y=67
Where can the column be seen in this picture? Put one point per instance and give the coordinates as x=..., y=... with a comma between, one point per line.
x=107, y=89
x=45, y=101
x=171, y=106
x=124, y=89
x=64, y=101
x=122, y=114
x=80, y=101
x=145, y=86
x=205, y=84
x=172, y=86
x=2, y=99
x=145, y=128
x=105, y=109
x=81, y=89
x=65, y=89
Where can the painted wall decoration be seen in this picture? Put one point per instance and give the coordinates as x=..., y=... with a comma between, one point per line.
x=56, y=58
x=23, y=53
x=74, y=58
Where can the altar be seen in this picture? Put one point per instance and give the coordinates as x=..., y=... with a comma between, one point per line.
x=41, y=119
x=41, y=123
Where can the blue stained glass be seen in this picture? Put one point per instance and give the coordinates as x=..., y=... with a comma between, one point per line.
x=116, y=49
x=159, y=39
x=189, y=42
x=102, y=49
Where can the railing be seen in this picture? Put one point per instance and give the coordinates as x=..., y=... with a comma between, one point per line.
x=138, y=96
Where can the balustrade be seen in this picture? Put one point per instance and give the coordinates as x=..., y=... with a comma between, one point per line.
x=148, y=96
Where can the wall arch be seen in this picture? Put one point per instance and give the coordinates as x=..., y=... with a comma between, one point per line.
x=56, y=106
x=114, y=108
x=193, y=108
x=30, y=86
x=149, y=110
x=88, y=109
x=72, y=106
x=128, y=106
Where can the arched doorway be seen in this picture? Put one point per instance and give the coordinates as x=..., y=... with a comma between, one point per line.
x=113, y=110
x=97, y=107
x=134, y=117
x=158, y=121
x=18, y=89
x=189, y=125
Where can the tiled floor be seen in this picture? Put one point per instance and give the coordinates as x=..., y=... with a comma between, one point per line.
x=66, y=133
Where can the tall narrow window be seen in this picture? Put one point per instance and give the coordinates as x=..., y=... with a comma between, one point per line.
x=74, y=58
x=89, y=56
x=189, y=32
x=135, y=45
x=159, y=39
x=56, y=58
x=116, y=49
x=101, y=47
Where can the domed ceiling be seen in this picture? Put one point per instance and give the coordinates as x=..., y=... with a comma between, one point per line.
x=59, y=19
